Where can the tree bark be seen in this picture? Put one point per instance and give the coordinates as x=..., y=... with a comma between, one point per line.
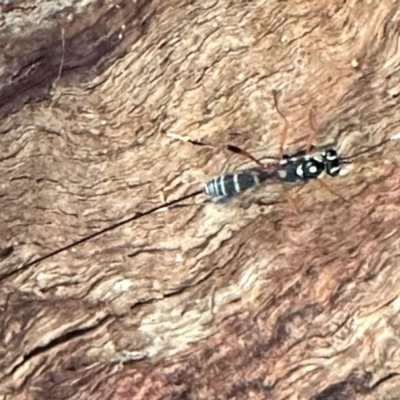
x=206, y=301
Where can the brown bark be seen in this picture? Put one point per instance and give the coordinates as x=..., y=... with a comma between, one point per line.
x=206, y=301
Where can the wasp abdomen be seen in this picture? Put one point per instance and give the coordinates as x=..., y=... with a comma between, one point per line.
x=229, y=185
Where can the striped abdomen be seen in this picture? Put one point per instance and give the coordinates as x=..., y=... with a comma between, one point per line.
x=229, y=185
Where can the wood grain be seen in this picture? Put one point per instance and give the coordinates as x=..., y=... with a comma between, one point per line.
x=205, y=301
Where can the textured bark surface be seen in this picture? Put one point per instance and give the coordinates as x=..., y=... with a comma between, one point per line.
x=206, y=301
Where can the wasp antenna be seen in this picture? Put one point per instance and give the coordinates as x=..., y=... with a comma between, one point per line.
x=347, y=160
x=285, y=128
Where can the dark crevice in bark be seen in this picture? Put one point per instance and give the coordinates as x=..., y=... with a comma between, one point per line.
x=88, y=51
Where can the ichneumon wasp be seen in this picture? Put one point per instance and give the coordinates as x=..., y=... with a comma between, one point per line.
x=298, y=168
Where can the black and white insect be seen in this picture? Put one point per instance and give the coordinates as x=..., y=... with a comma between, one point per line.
x=298, y=168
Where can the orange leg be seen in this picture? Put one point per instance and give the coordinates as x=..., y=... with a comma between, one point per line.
x=324, y=185
x=283, y=137
x=309, y=145
x=288, y=199
x=244, y=153
x=285, y=128
x=313, y=132
x=230, y=147
x=291, y=201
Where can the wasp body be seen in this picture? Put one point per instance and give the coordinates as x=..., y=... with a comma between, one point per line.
x=225, y=186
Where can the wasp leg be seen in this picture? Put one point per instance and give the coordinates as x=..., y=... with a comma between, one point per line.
x=230, y=147
x=283, y=134
x=313, y=133
x=291, y=201
x=244, y=153
x=324, y=185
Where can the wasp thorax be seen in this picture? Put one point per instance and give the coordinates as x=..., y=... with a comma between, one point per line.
x=312, y=168
x=333, y=162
